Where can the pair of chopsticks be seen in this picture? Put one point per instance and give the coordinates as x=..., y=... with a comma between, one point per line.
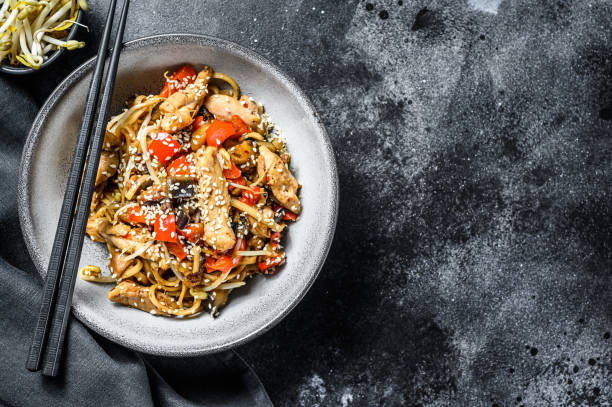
x=46, y=348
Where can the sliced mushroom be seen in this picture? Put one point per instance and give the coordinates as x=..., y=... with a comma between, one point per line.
x=181, y=219
x=181, y=186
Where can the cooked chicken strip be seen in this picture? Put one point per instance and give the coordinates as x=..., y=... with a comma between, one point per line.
x=119, y=229
x=282, y=182
x=101, y=230
x=180, y=107
x=109, y=160
x=95, y=228
x=214, y=200
x=224, y=107
x=130, y=246
x=137, y=296
x=118, y=264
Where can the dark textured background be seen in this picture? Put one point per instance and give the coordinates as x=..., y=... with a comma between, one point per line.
x=471, y=263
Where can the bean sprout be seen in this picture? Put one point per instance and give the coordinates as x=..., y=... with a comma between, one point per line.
x=30, y=29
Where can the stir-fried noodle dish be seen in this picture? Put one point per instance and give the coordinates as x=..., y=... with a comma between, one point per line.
x=193, y=194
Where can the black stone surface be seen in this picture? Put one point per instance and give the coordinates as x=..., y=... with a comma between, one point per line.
x=471, y=264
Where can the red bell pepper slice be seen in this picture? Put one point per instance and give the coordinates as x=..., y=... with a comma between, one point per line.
x=240, y=127
x=271, y=262
x=275, y=237
x=197, y=122
x=179, y=80
x=251, y=196
x=165, y=229
x=239, y=181
x=233, y=173
x=181, y=166
x=225, y=262
x=218, y=132
x=137, y=215
x=163, y=147
x=277, y=208
x=192, y=232
x=178, y=249
x=287, y=214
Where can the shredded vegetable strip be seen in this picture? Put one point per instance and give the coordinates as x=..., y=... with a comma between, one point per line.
x=142, y=139
x=118, y=120
x=255, y=253
x=218, y=281
x=230, y=286
x=139, y=251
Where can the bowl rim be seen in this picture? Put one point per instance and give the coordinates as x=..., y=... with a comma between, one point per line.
x=26, y=70
x=23, y=199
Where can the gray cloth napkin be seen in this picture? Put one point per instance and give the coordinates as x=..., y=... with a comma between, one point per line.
x=95, y=371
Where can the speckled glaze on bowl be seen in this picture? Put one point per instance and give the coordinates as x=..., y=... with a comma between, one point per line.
x=265, y=300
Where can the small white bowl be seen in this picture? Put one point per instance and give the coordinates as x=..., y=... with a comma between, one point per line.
x=251, y=310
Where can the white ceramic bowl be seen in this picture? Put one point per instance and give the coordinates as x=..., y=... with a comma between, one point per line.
x=251, y=310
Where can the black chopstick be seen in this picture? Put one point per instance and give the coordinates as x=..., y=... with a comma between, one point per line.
x=70, y=197
x=75, y=244
x=51, y=326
